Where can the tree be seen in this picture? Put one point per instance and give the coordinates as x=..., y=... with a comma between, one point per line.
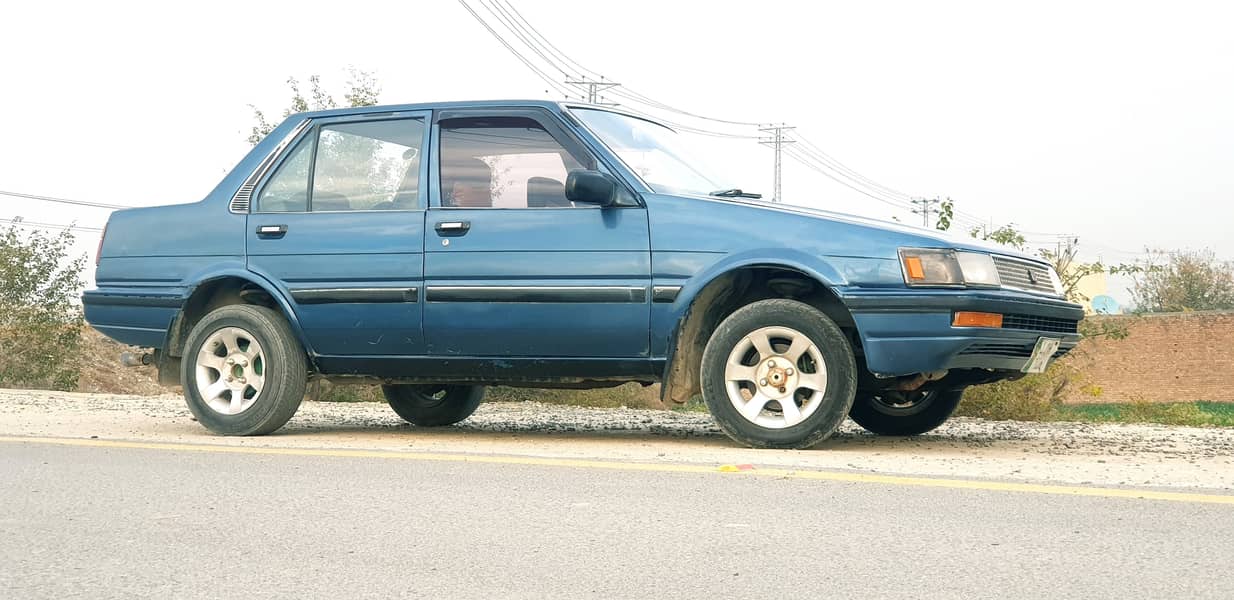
x=1181, y=281
x=362, y=90
x=1006, y=235
x=946, y=214
x=1072, y=271
x=40, y=322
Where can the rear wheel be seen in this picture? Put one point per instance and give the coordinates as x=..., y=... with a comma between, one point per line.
x=243, y=371
x=778, y=374
x=433, y=405
x=904, y=413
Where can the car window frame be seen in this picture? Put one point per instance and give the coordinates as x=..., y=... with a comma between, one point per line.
x=552, y=125
x=313, y=130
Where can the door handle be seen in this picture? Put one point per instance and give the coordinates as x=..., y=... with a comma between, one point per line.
x=453, y=227
x=271, y=231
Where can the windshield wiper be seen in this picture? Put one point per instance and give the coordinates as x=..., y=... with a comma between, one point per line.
x=735, y=193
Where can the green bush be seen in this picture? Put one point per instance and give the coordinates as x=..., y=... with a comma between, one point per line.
x=40, y=319
x=1143, y=411
x=1034, y=397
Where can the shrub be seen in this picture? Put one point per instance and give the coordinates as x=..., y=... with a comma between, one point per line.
x=1143, y=411
x=40, y=319
x=1034, y=397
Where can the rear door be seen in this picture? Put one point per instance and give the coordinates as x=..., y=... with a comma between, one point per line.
x=512, y=268
x=339, y=225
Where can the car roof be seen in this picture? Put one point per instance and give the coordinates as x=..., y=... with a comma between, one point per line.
x=547, y=104
x=551, y=105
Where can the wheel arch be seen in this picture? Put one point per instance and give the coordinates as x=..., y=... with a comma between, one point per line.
x=221, y=288
x=720, y=291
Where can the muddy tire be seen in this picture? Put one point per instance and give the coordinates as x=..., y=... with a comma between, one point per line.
x=243, y=371
x=433, y=405
x=778, y=374
x=898, y=413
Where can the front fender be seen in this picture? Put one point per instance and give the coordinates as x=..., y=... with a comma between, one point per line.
x=818, y=268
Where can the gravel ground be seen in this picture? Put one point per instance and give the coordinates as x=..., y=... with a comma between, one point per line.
x=1078, y=453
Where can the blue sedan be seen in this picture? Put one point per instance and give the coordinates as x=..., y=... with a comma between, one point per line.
x=436, y=249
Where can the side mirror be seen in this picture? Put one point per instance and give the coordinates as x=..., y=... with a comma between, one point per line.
x=592, y=187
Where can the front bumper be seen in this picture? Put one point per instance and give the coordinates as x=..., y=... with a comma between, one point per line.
x=905, y=332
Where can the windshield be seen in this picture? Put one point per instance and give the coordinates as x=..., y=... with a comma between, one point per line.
x=655, y=152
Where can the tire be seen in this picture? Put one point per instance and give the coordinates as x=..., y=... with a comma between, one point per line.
x=433, y=405
x=898, y=413
x=822, y=375
x=274, y=368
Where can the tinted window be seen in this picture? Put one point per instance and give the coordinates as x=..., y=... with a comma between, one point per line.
x=503, y=162
x=368, y=166
x=372, y=165
x=287, y=190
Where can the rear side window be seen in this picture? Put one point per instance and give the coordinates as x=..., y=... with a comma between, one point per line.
x=503, y=162
x=371, y=165
x=287, y=191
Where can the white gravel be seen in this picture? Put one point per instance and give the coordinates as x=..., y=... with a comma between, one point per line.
x=1077, y=453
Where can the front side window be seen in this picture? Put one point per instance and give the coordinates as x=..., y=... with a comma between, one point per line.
x=654, y=151
x=503, y=162
x=370, y=165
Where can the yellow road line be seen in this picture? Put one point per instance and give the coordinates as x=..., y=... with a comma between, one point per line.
x=741, y=470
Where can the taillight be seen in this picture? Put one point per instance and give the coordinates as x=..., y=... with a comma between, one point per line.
x=98, y=254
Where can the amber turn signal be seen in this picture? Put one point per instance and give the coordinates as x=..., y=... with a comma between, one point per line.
x=912, y=264
x=977, y=319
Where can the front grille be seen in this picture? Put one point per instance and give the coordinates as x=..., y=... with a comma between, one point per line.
x=1010, y=350
x=1032, y=323
x=1024, y=276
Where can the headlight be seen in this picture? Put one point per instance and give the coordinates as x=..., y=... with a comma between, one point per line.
x=947, y=268
x=978, y=269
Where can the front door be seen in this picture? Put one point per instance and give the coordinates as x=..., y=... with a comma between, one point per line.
x=339, y=226
x=514, y=269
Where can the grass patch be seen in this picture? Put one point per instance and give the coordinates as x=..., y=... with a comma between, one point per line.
x=1194, y=414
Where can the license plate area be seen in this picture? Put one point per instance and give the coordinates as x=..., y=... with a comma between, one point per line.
x=1042, y=353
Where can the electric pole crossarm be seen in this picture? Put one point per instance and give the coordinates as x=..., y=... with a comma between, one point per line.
x=777, y=139
x=928, y=206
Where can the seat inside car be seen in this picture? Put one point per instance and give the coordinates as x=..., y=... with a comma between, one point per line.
x=544, y=192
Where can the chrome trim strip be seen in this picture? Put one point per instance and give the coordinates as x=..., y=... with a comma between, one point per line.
x=536, y=294
x=354, y=295
x=665, y=293
x=97, y=298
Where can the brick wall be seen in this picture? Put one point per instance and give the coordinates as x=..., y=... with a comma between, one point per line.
x=1175, y=357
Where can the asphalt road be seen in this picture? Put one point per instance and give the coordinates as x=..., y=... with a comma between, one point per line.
x=160, y=520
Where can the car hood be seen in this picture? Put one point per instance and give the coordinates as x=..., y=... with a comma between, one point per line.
x=935, y=237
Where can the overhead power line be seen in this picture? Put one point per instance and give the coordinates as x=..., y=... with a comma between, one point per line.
x=808, y=162
x=559, y=60
x=584, y=83
x=20, y=222
x=549, y=80
x=63, y=200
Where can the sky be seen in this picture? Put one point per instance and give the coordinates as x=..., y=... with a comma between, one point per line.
x=1110, y=121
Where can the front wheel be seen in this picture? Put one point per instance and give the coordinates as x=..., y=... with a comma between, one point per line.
x=778, y=374
x=433, y=405
x=904, y=413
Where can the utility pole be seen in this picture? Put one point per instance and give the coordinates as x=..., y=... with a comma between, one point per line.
x=927, y=206
x=594, y=88
x=776, y=138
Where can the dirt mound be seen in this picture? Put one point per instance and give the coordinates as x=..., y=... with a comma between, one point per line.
x=102, y=373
